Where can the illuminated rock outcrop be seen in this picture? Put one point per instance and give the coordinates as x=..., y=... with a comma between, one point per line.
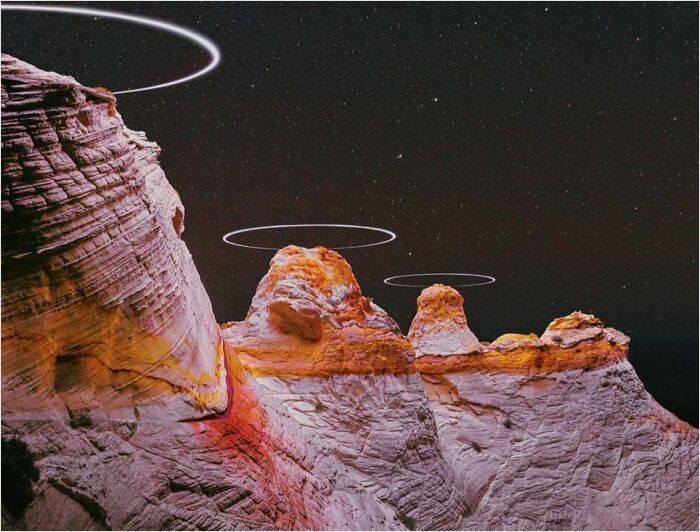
x=557, y=432
x=440, y=325
x=125, y=406
x=325, y=366
x=103, y=311
x=309, y=318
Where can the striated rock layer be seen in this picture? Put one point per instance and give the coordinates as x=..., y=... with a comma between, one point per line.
x=557, y=432
x=325, y=366
x=126, y=407
x=103, y=311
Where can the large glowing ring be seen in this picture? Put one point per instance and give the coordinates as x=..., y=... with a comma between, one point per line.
x=486, y=279
x=190, y=35
x=390, y=234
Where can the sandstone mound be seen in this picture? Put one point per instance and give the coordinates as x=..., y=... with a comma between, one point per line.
x=309, y=317
x=440, y=325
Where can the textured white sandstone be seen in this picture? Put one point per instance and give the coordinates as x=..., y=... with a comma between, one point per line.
x=103, y=310
x=581, y=448
x=346, y=388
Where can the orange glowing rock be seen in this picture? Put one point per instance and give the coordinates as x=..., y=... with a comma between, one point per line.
x=440, y=325
x=444, y=343
x=309, y=318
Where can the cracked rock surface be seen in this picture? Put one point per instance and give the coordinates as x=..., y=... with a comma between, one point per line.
x=558, y=432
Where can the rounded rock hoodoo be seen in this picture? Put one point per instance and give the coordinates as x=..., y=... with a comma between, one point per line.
x=309, y=317
x=440, y=325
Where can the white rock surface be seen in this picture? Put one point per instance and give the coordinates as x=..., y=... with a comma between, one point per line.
x=103, y=310
x=559, y=433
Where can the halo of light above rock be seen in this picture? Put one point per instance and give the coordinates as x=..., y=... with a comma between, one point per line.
x=486, y=279
x=192, y=36
x=228, y=236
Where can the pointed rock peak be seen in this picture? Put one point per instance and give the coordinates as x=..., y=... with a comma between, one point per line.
x=440, y=325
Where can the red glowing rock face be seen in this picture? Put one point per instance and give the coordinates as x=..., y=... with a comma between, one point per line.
x=311, y=413
x=103, y=310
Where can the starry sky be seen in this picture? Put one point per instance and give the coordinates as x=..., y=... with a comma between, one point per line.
x=553, y=146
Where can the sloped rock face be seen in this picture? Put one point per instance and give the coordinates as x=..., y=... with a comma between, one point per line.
x=349, y=443
x=103, y=311
x=440, y=325
x=326, y=367
x=126, y=407
x=557, y=432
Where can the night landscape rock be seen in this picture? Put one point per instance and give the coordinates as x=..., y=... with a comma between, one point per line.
x=125, y=405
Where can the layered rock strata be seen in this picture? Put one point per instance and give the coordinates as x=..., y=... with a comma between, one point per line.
x=103, y=311
x=323, y=365
x=558, y=432
x=125, y=407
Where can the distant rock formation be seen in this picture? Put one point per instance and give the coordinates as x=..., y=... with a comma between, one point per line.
x=440, y=325
x=557, y=432
x=126, y=407
x=103, y=312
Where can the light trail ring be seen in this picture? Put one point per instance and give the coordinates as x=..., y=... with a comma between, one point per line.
x=192, y=36
x=228, y=236
x=486, y=279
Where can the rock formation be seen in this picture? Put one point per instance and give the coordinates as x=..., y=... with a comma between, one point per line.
x=557, y=432
x=125, y=406
x=325, y=366
x=440, y=325
x=103, y=311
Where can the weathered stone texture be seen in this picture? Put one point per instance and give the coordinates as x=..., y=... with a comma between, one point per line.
x=103, y=310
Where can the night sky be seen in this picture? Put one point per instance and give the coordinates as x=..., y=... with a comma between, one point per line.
x=553, y=146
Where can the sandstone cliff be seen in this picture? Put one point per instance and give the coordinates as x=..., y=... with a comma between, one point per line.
x=557, y=431
x=325, y=366
x=103, y=312
x=125, y=406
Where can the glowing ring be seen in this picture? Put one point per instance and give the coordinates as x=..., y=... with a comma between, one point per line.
x=190, y=35
x=488, y=279
x=392, y=235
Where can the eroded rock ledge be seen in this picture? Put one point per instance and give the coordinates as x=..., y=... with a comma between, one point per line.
x=444, y=343
x=557, y=431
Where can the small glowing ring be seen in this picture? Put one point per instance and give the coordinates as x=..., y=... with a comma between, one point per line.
x=390, y=234
x=188, y=34
x=487, y=279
